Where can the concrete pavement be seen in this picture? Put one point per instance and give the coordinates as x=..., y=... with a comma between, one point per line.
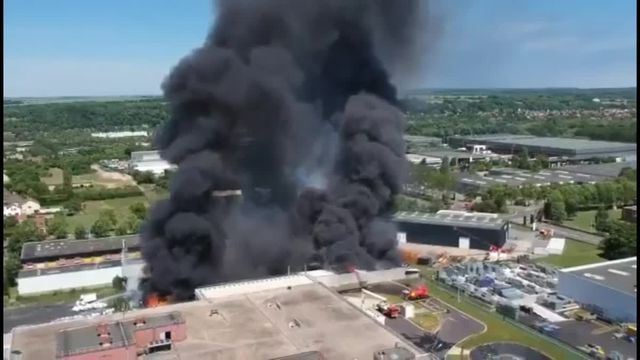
x=32, y=315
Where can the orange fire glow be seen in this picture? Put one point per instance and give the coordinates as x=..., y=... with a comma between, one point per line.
x=155, y=300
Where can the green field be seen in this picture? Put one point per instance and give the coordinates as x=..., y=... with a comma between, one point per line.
x=428, y=321
x=54, y=177
x=497, y=328
x=153, y=193
x=575, y=253
x=585, y=219
x=91, y=210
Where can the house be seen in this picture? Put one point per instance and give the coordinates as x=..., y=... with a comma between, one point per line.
x=16, y=205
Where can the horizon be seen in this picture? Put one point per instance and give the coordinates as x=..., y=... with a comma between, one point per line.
x=409, y=90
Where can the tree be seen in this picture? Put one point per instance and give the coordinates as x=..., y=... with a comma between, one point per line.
x=57, y=227
x=73, y=205
x=11, y=268
x=26, y=231
x=621, y=241
x=554, y=207
x=119, y=283
x=139, y=210
x=108, y=217
x=80, y=232
x=602, y=219
x=101, y=227
x=122, y=229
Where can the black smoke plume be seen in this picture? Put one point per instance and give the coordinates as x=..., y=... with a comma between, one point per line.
x=291, y=102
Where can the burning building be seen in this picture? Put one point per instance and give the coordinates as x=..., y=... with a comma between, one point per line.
x=292, y=103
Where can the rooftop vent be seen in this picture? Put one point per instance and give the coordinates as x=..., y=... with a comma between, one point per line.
x=294, y=324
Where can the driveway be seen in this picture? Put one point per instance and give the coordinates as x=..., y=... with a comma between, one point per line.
x=573, y=234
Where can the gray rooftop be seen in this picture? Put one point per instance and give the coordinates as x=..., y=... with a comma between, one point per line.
x=517, y=177
x=121, y=333
x=617, y=274
x=469, y=220
x=568, y=146
x=448, y=153
x=32, y=251
x=610, y=170
x=9, y=197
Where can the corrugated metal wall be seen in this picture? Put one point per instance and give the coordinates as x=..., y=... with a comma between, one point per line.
x=69, y=280
x=615, y=305
x=448, y=235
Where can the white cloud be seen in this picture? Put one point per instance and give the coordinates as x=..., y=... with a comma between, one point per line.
x=84, y=77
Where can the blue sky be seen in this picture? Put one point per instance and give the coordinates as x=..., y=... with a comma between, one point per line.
x=118, y=47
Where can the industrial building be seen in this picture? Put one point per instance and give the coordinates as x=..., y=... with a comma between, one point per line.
x=607, y=289
x=557, y=149
x=149, y=161
x=289, y=320
x=452, y=228
x=517, y=177
x=417, y=143
x=67, y=264
x=121, y=339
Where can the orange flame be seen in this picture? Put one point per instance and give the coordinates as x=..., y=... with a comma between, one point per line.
x=155, y=300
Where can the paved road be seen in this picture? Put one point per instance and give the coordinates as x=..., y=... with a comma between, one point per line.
x=455, y=325
x=33, y=315
x=574, y=234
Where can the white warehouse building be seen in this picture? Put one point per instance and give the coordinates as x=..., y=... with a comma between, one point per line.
x=607, y=289
x=149, y=161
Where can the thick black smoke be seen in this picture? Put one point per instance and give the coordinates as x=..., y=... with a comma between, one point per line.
x=290, y=102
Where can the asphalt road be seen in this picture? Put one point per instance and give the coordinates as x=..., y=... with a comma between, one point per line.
x=33, y=315
x=573, y=234
x=455, y=325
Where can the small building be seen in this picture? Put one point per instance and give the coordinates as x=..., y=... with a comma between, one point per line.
x=607, y=289
x=16, y=205
x=456, y=229
x=121, y=339
x=150, y=161
x=630, y=214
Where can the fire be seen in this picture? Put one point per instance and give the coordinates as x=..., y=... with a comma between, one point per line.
x=155, y=300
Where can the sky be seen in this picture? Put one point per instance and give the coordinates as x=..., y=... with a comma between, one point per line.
x=123, y=47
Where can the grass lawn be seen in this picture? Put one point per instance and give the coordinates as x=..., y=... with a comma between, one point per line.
x=575, y=253
x=428, y=321
x=153, y=193
x=497, y=328
x=57, y=297
x=92, y=210
x=392, y=299
x=54, y=177
x=585, y=219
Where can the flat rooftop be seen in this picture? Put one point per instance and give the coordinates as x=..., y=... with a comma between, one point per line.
x=609, y=170
x=517, y=177
x=469, y=220
x=617, y=274
x=261, y=325
x=85, y=338
x=32, y=251
x=569, y=145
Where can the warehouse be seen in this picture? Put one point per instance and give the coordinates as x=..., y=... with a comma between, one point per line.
x=67, y=264
x=564, y=148
x=607, y=289
x=149, y=161
x=517, y=178
x=289, y=319
x=455, y=229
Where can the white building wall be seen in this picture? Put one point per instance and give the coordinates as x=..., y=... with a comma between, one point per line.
x=69, y=280
x=11, y=210
x=30, y=207
x=615, y=304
